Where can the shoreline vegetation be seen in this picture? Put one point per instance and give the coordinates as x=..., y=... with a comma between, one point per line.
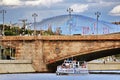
x=17, y=30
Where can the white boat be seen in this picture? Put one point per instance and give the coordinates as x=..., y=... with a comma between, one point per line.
x=72, y=67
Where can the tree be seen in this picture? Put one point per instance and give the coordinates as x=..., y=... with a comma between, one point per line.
x=49, y=31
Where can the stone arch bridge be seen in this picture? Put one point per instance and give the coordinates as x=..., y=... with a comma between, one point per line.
x=46, y=52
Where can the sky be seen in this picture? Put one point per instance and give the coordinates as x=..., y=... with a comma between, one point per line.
x=23, y=9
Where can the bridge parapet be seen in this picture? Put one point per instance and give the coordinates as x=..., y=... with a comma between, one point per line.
x=56, y=37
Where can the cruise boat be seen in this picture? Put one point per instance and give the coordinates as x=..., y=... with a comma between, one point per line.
x=72, y=67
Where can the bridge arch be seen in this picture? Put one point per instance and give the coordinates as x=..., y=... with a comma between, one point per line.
x=66, y=49
x=7, y=50
x=87, y=56
x=7, y=53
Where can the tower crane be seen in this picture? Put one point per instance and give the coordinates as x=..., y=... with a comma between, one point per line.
x=24, y=23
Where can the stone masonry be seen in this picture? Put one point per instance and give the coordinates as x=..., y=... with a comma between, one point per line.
x=44, y=50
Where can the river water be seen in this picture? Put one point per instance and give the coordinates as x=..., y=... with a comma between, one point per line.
x=52, y=76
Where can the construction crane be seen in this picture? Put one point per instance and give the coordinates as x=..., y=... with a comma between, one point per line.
x=24, y=23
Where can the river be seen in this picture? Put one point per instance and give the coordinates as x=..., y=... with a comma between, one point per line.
x=52, y=76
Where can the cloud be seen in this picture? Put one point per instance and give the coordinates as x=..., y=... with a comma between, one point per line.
x=10, y=2
x=42, y=2
x=29, y=2
x=115, y=11
x=103, y=3
x=79, y=7
x=32, y=3
x=97, y=1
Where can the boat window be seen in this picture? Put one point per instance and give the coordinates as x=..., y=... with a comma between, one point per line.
x=76, y=62
x=76, y=66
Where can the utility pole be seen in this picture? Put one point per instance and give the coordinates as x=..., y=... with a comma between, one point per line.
x=3, y=13
x=98, y=15
x=70, y=10
x=34, y=15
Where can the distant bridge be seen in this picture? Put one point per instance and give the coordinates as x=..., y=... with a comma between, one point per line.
x=46, y=52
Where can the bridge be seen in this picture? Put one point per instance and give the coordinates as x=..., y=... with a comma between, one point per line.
x=46, y=52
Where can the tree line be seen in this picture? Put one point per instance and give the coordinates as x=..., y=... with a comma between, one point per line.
x=15, y=31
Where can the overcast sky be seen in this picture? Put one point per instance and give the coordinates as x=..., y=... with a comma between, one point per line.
x=23, y=9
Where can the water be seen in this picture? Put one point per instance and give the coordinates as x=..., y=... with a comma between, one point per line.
x=50, y=76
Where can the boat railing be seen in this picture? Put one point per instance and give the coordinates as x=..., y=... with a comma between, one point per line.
x=74, y=64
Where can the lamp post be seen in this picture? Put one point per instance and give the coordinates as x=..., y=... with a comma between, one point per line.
x=34, y=15
x=70, y=10
x=98, y=15
x=3, y=13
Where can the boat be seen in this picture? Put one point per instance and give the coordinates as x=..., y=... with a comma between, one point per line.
x=72, y=67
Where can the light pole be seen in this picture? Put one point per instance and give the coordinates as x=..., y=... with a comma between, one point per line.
x=98, y=15
x=34, y=15
x=70, y=10
x=3, y=13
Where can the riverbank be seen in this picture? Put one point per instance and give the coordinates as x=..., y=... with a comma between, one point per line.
x=108, y=66
x=25, y=66
x=16, y=66
x=105, y=72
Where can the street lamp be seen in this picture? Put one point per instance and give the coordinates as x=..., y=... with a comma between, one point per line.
x=3, y=13
x=70, y=10
x=34, y=15
x=98, y=15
